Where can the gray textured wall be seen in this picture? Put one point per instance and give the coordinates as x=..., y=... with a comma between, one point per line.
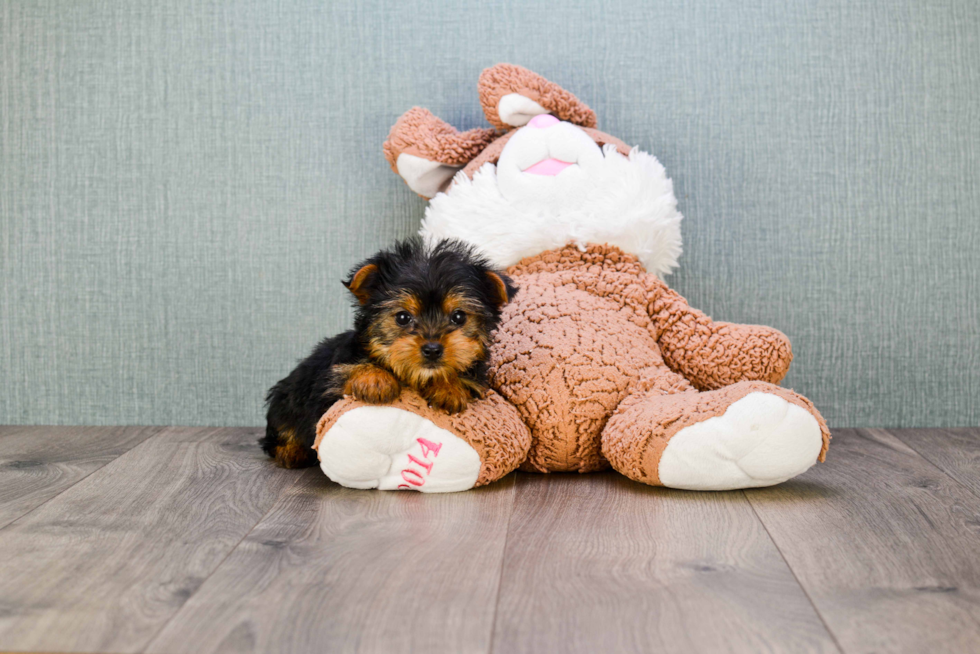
x=183, y=183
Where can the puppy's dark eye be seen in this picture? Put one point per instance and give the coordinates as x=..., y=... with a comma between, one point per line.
x=403, y=318
x=457, y=317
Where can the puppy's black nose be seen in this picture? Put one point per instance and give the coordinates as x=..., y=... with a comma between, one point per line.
x=432, y=351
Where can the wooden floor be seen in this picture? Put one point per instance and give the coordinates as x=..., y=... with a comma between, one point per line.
x=174, y=540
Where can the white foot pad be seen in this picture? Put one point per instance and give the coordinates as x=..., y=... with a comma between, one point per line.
x=389, y=449
x=761, y=440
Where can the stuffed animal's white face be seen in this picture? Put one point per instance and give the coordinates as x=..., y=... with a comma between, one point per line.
x=548, y=164
x=553, y=185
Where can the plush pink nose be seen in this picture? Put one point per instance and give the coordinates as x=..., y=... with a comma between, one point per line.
x=543, y=120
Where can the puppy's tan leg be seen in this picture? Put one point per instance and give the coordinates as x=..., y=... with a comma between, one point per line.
x=448, y=395
x=372, y=384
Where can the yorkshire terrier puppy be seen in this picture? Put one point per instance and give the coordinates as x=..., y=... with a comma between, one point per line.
x=424, y=318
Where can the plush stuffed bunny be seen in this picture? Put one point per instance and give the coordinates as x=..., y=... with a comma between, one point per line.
x=596, y=362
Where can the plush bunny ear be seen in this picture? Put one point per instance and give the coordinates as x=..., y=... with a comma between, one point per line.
x=512, y=95
x=426, y=151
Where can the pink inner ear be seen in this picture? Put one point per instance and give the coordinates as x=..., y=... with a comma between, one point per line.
x=549, y=167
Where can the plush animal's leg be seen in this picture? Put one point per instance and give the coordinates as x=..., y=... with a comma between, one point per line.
x=407, y=445
x=742, y=436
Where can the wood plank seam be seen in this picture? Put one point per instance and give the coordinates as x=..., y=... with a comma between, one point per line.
x=360, y=571
x=952, y=474
x=217, y=567
x=885, y=545
x=806, y=594
x=601, y=563
x=503, y=555
x=149, y=436
x=223, y=474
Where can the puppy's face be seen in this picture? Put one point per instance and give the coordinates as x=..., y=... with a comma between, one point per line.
x=424, y=337
x=428, y=314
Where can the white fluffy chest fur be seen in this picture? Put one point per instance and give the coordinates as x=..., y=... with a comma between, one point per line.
x=509, y=213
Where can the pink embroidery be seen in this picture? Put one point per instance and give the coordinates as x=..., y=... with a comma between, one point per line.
x=425, y=464
x=414, y=477
x=429, y=446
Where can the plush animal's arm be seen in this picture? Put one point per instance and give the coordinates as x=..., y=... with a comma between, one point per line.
x=709, y=354
x=714, y=354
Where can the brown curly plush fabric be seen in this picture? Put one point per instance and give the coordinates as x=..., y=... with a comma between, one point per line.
x=601, y=360
x=418, y=132
x=490, y=426
x=599, y=363
x=637, y=434
x=591, y=332
x=715, y=354
x=503, y=79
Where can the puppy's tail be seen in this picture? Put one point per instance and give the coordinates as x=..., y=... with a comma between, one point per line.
x=282, y=442
x=286, y=449
x=270, y=442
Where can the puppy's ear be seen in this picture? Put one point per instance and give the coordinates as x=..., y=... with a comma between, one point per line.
x=360, y=282
x=502, y=289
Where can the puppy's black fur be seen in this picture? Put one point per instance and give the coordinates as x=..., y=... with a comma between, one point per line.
x=423, y=321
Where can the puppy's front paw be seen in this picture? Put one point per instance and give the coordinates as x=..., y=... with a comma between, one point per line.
x=372, y=384
x=451, y=398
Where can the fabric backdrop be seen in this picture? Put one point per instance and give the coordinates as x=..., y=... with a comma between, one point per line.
x=182, y=184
